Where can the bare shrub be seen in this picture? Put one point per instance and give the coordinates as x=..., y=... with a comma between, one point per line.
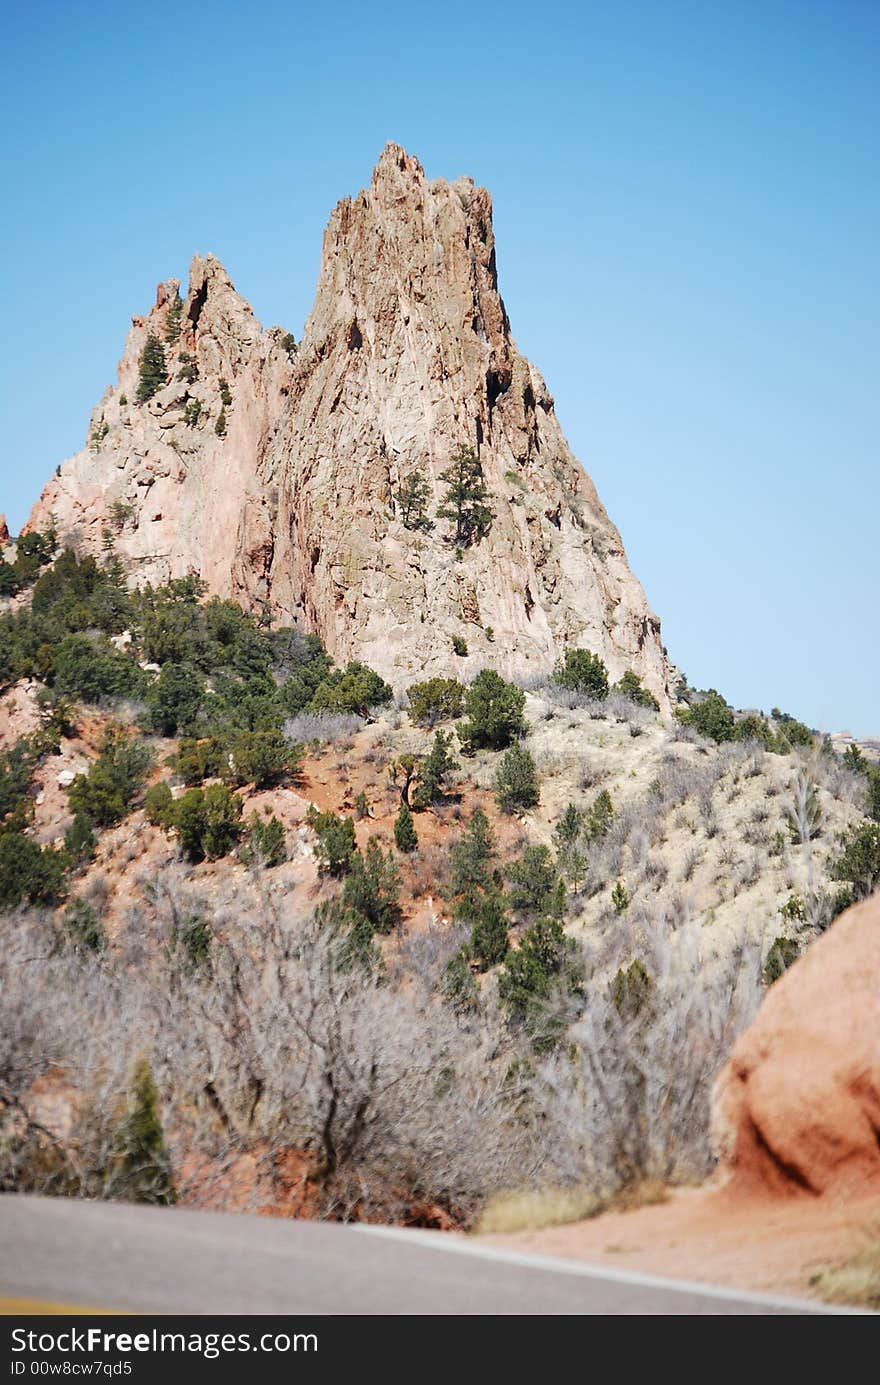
x=656, y=871
x=591, y=775
x=628, y=1099
x=747, y=873
x=535, y=683
x=692, y=858
x=325, y=728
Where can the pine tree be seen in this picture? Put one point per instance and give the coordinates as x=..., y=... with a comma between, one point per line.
x=405, y=833
x=516, y=781
x=489, y=934
x=438, y=764
x=465, y=504
x=153, y=369
x=143, y=1157
x=412, y=498
x=471, y=872
x=173, y=320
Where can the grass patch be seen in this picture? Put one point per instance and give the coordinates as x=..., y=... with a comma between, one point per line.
x=855, y=1281
x=506, y=1212
x=534, y=1210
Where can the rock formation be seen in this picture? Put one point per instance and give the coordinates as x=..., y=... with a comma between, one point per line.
x=406, y=357
x=4, y=532
x=797, y=1108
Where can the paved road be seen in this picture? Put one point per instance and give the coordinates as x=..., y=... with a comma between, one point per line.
x=106, y=1255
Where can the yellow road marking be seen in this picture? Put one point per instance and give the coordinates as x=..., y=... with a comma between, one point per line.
x=37, y=1307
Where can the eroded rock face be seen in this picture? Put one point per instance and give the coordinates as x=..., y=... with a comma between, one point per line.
x=797, y=1108
x=407, y=356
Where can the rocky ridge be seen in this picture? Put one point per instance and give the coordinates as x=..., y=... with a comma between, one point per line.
x=406, y=357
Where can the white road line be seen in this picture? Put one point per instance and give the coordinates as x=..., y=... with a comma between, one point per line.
x=438, y=1240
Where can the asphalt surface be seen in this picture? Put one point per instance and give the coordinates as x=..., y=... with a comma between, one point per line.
x=59, y=1253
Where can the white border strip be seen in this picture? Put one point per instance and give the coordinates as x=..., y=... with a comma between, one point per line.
x=438, y=1240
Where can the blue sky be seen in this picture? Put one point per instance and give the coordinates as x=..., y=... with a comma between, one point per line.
x=687, y=209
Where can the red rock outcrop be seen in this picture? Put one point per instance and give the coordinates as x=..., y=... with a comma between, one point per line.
x=797, y=1108
x=406, y=356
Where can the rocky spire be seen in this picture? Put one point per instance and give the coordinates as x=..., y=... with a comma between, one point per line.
x=406, y=357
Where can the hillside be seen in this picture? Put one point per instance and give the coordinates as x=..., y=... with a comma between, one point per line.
x=322, y=1004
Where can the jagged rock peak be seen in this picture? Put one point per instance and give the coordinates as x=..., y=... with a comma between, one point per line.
x=290, y=499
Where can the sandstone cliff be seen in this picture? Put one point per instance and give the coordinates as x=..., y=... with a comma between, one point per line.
x=406, y=356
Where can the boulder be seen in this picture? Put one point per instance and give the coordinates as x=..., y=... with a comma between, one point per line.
x=797, y=1107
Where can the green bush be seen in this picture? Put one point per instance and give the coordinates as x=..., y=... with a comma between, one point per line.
x=225, y=393
x=83, y=929
x=370, y=894
x=620, y=898
x=220, y=425
x=264, y=759
x=405, y=834
x=710, y=717
x=197, y=761
x=794, y=910
x=354, y=689
x=459, y=646
x=80, y=843
x=208, y=822
x=153, y=370
x=412, y=501
x=29, y=872
x=631, y=686
x=791, y=732
x=174, y=700
x=191, y=942
x=337, y=844
x=533, y=883
x=858, y=763
x=457, y=984
x=782, y=954
x=142, y=1168
x=437, y=699
x=755, y=728
x=435, y=769
x=471, y=874
x=859, y=862
x=91, y=669
x=17, y=766
x=159, y=805
x=516, y=781
x=546, y=960
x=32, y=552
x=488, y=941
x=494, y=710
x=630, y=989
x=189, y=370
x=583, y=672
x=265, y=843
x=567, y=836
x=108, y=791
x=599, y=818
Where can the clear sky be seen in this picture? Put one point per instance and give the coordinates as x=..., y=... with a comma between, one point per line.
x=687, y=210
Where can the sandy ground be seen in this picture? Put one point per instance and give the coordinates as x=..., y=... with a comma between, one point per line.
x=715, y=1237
